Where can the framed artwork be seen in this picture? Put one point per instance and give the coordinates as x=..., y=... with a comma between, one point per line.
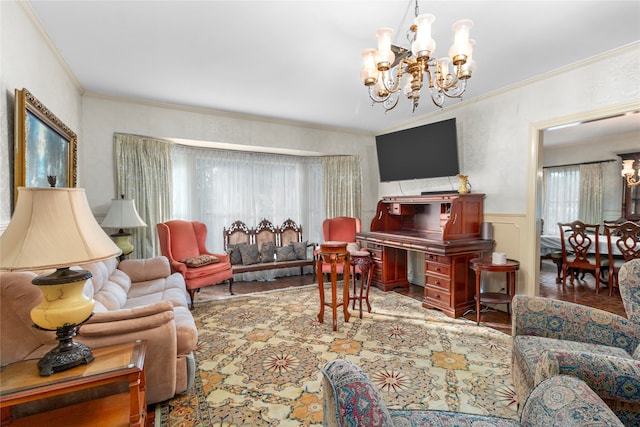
x=45, y=148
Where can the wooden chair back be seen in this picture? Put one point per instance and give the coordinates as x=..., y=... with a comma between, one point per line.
x=580, y=249
x=627, y=242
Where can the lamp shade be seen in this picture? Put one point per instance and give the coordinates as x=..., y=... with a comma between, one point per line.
x=122, y=214
x=52, y=228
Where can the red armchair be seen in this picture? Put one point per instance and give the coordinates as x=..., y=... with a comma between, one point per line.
x=184, y=242
x=341, y=229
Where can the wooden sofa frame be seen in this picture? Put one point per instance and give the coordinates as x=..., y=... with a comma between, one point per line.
x=264, y=232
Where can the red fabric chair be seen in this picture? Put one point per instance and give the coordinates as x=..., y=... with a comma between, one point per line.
x=181, y=240
x=341, y=229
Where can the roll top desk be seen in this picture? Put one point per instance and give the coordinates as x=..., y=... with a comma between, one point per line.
x=445, y=227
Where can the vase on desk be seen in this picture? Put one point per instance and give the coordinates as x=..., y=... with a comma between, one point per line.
x=464, y=186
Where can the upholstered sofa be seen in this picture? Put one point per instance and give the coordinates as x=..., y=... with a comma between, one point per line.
x=351, y=399
x=135, y=299
x=552, y=337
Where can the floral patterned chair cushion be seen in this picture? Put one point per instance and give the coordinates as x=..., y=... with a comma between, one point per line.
x=554, y=337
x=351, y=399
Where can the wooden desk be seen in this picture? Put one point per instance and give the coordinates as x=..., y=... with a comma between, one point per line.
x=484, y=264
x=445, y=228
x=20, y=383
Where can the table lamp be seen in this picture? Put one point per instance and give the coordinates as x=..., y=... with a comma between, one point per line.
x=123, y=214
x=54, y=228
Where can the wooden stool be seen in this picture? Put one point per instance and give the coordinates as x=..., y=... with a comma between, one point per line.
x=484, y=264
x=334, y=253
x=363, y=260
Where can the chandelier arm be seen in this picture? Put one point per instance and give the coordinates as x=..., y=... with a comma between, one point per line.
x=631, y=181
x=445, y=86
x=457, y=91
x=374, y=95
x=396, y=86
x=437, y=97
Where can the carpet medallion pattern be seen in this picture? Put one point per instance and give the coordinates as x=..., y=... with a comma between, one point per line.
x=259, y=360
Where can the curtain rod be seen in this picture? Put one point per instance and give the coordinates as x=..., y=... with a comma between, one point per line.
x=578, y=164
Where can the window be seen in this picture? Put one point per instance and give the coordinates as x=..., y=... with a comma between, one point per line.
x=561, y=201
x=218, y=187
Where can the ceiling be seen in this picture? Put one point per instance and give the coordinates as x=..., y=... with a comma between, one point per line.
x=300, y=60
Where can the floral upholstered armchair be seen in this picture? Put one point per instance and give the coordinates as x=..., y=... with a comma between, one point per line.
x=552, y=337
x=351, y=399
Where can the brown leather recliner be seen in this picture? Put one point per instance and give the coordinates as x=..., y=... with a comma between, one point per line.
x=184, y=244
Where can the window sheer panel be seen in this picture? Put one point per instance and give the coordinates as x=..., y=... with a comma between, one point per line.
x=225, y=186
x=561, y=197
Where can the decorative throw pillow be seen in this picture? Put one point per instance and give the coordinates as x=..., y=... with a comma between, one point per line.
x=285, y=253
x=267, y=252
x=300, y=248
x=200, y=261
x=250, y=254
x=235, y=257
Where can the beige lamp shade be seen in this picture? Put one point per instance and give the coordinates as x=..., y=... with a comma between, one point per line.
x=122, y=214
x=51, y=228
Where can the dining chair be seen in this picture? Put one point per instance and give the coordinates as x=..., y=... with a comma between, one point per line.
x=622, y=237
x=581, y=251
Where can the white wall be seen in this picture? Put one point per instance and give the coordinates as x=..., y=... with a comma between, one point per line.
x=28, y=61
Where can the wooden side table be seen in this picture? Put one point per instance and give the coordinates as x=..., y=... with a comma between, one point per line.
x=484, y=264
x=334, y=253
x=20, y=382
x=363, y=260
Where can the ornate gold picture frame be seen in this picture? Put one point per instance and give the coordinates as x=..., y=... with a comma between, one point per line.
x=44, y=146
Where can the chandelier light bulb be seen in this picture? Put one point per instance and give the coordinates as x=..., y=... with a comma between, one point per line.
x=461, y=44
x=627, y=167
x=423, y=45
x=384, y=56
x=469, y=67
x=443, y=69
x=369, y=72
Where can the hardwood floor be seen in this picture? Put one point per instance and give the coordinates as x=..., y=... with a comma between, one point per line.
x=581, y=292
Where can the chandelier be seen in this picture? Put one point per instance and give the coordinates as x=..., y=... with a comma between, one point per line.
x=629, y=173
x=385, y=67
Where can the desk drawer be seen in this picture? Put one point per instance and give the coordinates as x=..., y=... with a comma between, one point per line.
x=437, y=268
x=437, y=258
x=437, y=297
x=438, y=282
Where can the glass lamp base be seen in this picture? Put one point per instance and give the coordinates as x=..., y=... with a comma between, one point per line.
x=66, y=355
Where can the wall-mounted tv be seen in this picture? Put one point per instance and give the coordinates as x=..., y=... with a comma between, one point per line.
x=428, y=151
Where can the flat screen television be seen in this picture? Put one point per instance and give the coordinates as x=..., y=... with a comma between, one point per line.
x=428, y=151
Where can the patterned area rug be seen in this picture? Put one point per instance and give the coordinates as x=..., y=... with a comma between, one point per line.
x=259, y=360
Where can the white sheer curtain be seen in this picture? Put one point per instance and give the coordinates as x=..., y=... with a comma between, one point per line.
x=590, y=210
x=561, y=200
x=143, y=168
x=218, y=187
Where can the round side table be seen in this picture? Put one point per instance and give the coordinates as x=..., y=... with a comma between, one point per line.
x=334, y=253
x=363, y=260
x=484, y=264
